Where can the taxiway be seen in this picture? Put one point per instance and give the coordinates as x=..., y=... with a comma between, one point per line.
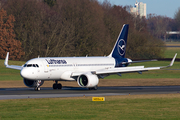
x=24, y=93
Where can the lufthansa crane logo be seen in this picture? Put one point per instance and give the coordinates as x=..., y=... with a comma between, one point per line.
x=121, y=47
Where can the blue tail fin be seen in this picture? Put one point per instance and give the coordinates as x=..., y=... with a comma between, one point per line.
x=119, y=49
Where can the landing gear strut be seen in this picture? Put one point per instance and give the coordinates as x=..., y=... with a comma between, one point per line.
x=38, y=83
x=57, y=86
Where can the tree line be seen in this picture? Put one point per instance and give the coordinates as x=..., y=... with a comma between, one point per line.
x=158, y=25
x=75, y=28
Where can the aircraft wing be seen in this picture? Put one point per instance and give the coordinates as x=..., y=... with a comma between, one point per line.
x=11, y=66
x=125, y=70
x=120, y=70
x=132, y=69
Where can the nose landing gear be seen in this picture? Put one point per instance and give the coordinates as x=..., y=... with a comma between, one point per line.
x=38, y=83
x=56, y=85
x=37, y=88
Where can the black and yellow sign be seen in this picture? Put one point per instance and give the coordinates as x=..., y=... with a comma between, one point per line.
x=98, y=98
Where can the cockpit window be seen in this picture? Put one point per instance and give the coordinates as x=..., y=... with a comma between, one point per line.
x=31, y=65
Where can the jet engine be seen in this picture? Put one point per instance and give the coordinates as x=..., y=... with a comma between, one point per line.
x=32, y=83
x=87, y=80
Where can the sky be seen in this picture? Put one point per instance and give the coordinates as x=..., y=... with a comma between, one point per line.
x=159, y=7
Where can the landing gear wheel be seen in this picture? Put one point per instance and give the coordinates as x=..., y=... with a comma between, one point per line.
x=94, y=88
x=90, y=88
x=55, y=86
x=37, y=89
x=38, y=84
x=59, y=86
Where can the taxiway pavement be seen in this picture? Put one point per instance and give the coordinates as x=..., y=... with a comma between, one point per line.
x=24, y=93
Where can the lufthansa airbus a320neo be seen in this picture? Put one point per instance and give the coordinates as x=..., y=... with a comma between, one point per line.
x=86, y=71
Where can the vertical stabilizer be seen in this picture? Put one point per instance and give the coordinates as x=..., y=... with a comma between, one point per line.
x=119, y=49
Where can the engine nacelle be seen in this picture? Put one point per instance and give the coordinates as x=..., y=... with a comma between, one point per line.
x=32, y=83
x=87, y=80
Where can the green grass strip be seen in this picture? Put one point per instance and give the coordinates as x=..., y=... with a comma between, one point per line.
x=133, y=107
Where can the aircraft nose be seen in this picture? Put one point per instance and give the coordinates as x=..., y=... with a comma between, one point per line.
x=24, y=73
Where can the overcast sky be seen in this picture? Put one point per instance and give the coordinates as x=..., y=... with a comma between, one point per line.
x=158, y=7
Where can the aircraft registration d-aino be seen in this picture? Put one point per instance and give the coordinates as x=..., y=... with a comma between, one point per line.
x=85, y=70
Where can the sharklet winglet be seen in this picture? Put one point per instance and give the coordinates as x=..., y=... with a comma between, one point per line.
x=6, y=59
x=172, y=62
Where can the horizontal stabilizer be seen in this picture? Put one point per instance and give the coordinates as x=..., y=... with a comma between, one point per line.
x=138, y=61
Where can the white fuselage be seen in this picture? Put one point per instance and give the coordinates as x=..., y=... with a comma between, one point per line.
x=61, y=68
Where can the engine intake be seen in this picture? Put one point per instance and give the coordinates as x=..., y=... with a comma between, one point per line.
x=87, y=80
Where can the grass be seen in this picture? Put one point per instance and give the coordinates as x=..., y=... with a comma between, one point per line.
x=170, y=51
x=10, y=74
x=172, y=43
x=136, y=107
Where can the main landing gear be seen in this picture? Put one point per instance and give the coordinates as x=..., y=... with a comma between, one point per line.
x=57, y=86
x=93, y=88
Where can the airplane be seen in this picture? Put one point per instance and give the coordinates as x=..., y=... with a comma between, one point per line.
x=86, y=71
